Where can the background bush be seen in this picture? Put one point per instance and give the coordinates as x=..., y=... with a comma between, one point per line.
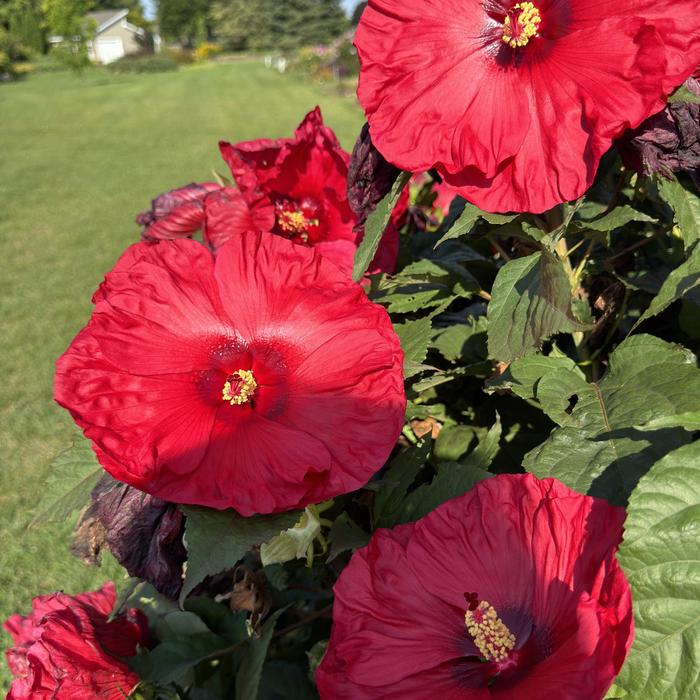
x=148, y=63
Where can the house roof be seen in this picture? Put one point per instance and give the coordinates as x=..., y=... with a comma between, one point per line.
x=106, y=18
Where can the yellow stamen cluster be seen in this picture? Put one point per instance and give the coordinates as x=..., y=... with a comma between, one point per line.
x=491, y=637
x=245, y=386
x=292, y=221
x=528, y=22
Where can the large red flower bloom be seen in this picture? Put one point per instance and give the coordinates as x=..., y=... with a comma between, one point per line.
x=65, y=649
x=305, y=178
x=262, y=379
x=515, y=102
x=218, y=212
x=511, y=591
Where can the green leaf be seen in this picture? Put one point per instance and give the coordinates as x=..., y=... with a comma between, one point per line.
x=399, y=476
x=216, y=540
x=685, y=205
x=171, y=660
x=415, y=339
x=689, y=420
x=620, y=216
x=375, y=225
x=74, y=473
x=284, y=680
x=530, y=301
x=549, y=380
x=465, y=342
x=250, y=669
x=452, y=479
x=661, y=559
x=452, y=442
x=463, y=225
x=487, y=449
x=597, y=450
x=345, y=535
x=682, y=280
x=684, y=94
x=292, y=543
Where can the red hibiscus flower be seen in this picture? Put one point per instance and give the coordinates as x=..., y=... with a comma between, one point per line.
x=514, y=103
x=65, y=649
x=511, y=591
x=305, y=178
x=262, y=379
x=219, y=212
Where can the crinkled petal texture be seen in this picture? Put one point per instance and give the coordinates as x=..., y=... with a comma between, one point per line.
x=172, y=325
x=308, y=173
x=66, y=649
x=543, y=556
x=219, y=212
x=517, y=129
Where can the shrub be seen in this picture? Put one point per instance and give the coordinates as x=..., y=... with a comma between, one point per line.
x=206, y=51
x=148, y=63
x=181, y=55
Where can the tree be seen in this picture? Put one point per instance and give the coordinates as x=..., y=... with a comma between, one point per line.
x=24, y=24
x=245, y=24
x=357, y=13
x=184, y=21
x=66, y=18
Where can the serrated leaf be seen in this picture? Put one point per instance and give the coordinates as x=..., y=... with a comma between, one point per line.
x=375, y=226
x=530, y=301
x=620, y=216
x=682, y=280
x=415, y=339
x=217, y=539
x=292, y=543
x=400, y=474
x=660, y=555
x=463, y=225
x=74, y=473
x=345, y=535
x=250, y=668
x=465, y=342
x=597, y=450
x=685, y=205
x=551, y=381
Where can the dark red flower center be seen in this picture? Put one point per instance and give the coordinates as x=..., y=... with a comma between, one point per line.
x=299, y=219
x=521, y=23
x=239, y=388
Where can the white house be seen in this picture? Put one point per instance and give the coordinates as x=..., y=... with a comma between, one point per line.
x=114, y=36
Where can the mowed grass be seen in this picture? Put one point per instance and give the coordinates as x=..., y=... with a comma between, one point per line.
x=79, y=157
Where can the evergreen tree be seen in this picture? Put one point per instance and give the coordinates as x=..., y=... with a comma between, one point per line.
x=185, y=21
x=271, y=24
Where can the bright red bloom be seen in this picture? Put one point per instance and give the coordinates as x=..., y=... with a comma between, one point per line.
x=305, y=178
x=65, y=649
x=515, y=103
x=219, y=212
x=262, y=379
x=412, y=609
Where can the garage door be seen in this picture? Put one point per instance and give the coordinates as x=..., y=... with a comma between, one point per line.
x=109, y=49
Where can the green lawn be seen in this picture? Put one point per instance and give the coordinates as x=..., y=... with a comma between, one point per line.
x=79, y=157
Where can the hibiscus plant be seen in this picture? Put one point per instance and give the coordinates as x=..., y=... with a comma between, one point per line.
x=413, y=422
